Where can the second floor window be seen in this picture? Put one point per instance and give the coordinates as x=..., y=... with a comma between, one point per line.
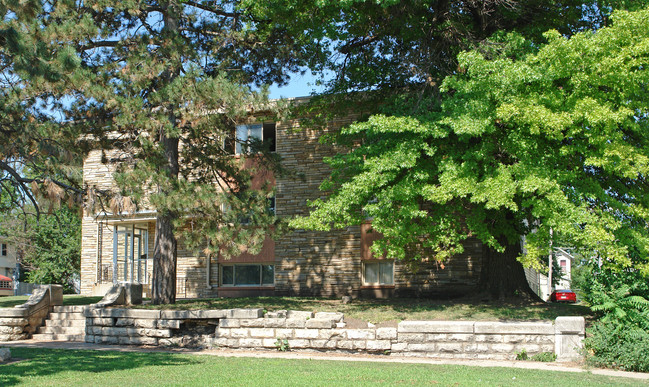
x=3, y=251
x=260, y=132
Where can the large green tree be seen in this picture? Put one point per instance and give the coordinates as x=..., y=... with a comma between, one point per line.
x=161, y=84
x=525, y=139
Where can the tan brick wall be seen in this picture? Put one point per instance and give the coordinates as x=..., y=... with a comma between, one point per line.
x=306, y=262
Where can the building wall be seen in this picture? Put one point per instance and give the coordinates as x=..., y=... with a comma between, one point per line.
x=307, y=263
x=8, y=261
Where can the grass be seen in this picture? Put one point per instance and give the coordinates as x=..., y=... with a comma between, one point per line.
x=395, y=309
x=68, y=299
x=41, y=367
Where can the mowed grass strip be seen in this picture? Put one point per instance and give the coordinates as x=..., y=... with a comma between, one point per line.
x=394, y=309
x=45, y=367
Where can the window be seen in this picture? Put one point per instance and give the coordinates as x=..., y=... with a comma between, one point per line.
x=3, y=250
x=378, y=273
x=261, y=132
x=564, y=266
x=5, y=285
x=247, y=275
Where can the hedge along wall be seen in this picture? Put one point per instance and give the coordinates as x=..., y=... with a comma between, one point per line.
x=252, y=329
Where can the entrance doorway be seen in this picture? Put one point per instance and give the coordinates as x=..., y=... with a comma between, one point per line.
x=131, y=253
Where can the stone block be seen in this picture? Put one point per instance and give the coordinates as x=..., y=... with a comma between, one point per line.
x=378, y=345
x=425, y=347
x=298, y=343
x=239, y=333
x=174, y=314
x=261, y=332
x=489, y=338
x=133, y=293
x=250, y=343
x=318, y=323
x=146, y=323
x=386, y=333
x=112, y=331
x=89, y=339
x=154, y=332
x=450, y=347
x=252, y=322
x=124, y=322
x=361, y=334
x=459, y=337
x=435, y=327
x=56, y=294
x=295, y=323
x=274, y=322
x=136, y=340
x=503, y=348
x=166, y=324
x=15, y=322
x=222, y=332
x=323, y=344
x=305, y=333
x=572, y=325
x=230, y=323
x=336, y=317
x=332, y=334
x=268, y=343
x=280, y=314
x=245, y=313
x=283, y=333
x=142, y=313
x=359, y=344
x=13, y=312
x=398, y=347
x=109, y=339
x=412, y=337
x=298, y=314
x=502, y=328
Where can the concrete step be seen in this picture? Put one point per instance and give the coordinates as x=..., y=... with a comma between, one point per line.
x=65, y=323
x=58, y=337
x=69, y=309
x=62, y=330
x=67, y=316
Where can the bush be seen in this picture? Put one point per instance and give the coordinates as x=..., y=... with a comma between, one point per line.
x=618, y=346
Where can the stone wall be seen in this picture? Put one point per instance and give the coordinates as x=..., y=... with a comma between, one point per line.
x=299, y=330
x=21, y=321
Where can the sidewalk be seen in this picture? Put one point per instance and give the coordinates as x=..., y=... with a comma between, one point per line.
x=560, y=367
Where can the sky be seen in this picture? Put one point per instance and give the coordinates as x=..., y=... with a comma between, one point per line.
x=299, y=86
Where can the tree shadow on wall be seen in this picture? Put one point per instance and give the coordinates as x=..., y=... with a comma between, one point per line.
x=45, y=362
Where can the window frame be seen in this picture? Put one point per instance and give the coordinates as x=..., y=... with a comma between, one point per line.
x=264, y=127
x=235, y=265
x=381, y=264
x=4, y=250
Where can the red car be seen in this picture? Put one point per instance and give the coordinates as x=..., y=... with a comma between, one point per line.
x=563, y=296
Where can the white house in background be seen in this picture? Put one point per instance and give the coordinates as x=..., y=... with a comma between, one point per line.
x=539, y=281
x=7, y=258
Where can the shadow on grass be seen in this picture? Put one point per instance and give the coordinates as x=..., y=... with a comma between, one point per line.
x=377, y=310
x=38, y=362
x=68, y=299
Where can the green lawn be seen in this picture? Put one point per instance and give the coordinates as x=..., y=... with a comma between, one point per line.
x=68, y=299
x=395, y=309
x=42, y=367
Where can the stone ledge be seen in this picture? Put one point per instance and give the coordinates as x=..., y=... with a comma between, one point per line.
x=435, y=327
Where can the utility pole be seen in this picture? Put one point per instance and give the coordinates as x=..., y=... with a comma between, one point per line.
x=550, y=267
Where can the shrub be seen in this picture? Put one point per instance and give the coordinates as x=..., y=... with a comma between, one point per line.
x=618, y=346
x=545, y=357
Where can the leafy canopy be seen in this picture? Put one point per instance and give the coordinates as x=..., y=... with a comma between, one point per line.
x=526, y=137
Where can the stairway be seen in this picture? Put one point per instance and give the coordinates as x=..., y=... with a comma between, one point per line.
x=65, y=323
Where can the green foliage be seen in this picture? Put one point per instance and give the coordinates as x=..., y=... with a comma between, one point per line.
x=282, y=345
x=553, y=140
x=522, y=355
x=618, y=346
x=50, y=246
x=546, y=357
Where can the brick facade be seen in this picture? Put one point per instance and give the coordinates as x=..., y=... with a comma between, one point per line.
x=306, y=263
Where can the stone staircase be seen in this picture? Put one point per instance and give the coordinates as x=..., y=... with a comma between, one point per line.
x=65, y=323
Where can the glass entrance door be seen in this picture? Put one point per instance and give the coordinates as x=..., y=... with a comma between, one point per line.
x=131, y=253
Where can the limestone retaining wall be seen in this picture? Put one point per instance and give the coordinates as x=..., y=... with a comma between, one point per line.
x=21, y=321
x=254, y=329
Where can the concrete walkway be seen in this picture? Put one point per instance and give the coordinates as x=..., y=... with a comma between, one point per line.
x=304, y=355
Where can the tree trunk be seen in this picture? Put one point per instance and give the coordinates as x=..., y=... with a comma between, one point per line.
x=164, y=262
x=502, y=275
x=165, y=255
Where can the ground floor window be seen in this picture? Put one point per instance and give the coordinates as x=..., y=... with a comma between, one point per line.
x=378, y=273
x=247, y=275
x=5, y=285
x=131, y=261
